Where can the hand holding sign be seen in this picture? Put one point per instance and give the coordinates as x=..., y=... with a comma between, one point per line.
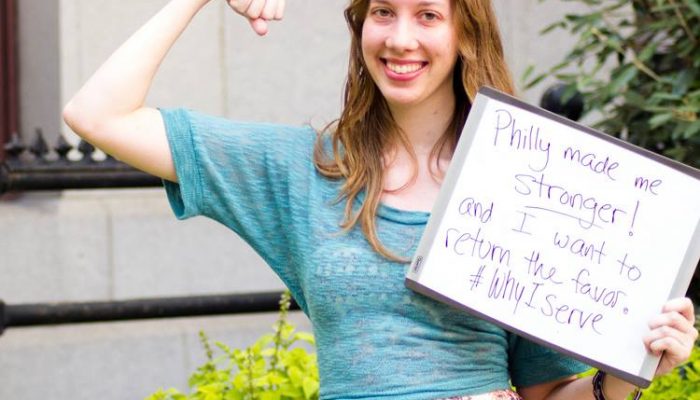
x=560, y=233
x=672, y=334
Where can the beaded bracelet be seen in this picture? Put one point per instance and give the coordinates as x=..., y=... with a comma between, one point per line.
x=598, y=387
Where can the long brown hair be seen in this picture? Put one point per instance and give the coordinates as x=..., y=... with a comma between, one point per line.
x=366, y=129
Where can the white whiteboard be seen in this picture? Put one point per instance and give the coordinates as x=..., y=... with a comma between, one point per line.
x=562, y=234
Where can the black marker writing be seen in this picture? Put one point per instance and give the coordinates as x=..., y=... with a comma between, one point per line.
x=475, y=245
x=643, y=183
x=527, y=139
x=632, y=272
x=599, y=294
x=473, y=208
x=591, y=161
x=476, y=278
x=592, y=210
x=535, y=287
x=567, y=315
x=506, y=287
x=580, y=247
x=634, y=217
x=537, y=269
x=521, y=229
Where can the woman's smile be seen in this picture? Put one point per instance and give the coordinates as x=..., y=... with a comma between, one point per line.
x=402, y=70
x=410, y=50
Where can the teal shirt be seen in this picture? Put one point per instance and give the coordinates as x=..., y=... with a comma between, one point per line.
x=375, y=338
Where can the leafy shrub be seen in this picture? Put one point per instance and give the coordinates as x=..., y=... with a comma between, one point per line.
x=270, y=369
x=681, y=384
x=637, y=63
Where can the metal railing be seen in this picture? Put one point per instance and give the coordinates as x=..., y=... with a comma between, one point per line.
x=23, y=315
x=40, y=167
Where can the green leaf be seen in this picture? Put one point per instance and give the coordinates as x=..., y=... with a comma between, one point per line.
x=310, y=387
x=296, y=376
x=291, y=391
x=270, y=396
x=553, y=26
x=666, y=96
x=269, y=352
x=660, y=119
x=694, y=7
x=692, y=130
x=305, y=337
x=623, y=77
x=648, y=51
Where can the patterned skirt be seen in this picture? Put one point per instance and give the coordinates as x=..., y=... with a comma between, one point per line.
x=498, y=395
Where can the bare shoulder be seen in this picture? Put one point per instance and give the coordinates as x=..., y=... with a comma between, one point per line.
x=137, y=138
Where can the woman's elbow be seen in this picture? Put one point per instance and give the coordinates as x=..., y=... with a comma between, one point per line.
x=78, y=119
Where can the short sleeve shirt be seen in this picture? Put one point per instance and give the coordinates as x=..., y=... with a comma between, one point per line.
x=375, y=338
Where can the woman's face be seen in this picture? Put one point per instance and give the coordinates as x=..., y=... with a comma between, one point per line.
x=410, y=49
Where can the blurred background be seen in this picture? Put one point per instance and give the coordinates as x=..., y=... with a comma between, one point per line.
x=114, y=244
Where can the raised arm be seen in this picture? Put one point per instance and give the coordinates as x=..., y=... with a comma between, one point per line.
x=109, y=111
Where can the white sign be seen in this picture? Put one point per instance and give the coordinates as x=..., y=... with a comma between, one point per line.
x=561, y=234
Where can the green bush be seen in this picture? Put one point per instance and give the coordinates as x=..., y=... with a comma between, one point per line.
x=270, y=369
x=637, y=65
x=681, y=384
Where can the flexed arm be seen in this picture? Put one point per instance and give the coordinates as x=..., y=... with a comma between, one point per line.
x=109, y=110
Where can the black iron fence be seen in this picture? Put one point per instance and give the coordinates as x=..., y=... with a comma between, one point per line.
x=171, y=307
x=40, y=167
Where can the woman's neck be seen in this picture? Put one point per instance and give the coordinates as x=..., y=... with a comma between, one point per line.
x=424, y=124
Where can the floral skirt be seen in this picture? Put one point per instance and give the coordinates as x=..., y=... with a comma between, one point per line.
x=498, y=395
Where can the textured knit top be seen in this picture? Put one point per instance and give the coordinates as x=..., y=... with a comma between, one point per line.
x=375, y=338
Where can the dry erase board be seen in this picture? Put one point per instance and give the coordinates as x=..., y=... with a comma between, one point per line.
x=560, y=233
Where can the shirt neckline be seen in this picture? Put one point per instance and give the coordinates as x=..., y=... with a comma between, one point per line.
x=405, y=217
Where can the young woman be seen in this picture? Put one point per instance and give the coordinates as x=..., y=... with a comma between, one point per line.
x=337, y=214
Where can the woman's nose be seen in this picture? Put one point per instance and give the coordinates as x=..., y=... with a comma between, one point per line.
x=402, y=37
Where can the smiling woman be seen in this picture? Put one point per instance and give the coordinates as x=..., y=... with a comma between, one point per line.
x=410, y=50
x=337, y=213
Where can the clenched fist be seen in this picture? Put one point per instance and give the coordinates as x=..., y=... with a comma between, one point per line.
x=259, y=12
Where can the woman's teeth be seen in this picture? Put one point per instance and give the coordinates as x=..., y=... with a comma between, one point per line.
x=404, y=68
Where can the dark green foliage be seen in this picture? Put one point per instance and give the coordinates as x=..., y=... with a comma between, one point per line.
x=637, y=64
x=270, y=369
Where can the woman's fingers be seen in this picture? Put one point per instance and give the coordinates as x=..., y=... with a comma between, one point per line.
x=683, y=305
x=672, y=334
x=279, y=10
x=256, y=8
x=259, y=25
x=240, y=6
x=673, y=319
x=269, y=10
x=666, y=338
x=259, y=12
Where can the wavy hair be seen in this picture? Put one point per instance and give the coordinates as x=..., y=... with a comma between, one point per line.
x=366, y=130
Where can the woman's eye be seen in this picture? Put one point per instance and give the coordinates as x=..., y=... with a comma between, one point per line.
x=382, y=12
x=430, y=16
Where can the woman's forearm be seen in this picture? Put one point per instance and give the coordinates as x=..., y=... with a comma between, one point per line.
x=582, y=389
x=121, y=84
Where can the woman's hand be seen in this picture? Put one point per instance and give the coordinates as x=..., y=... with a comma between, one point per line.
x=673, y=334
x=259, y=12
